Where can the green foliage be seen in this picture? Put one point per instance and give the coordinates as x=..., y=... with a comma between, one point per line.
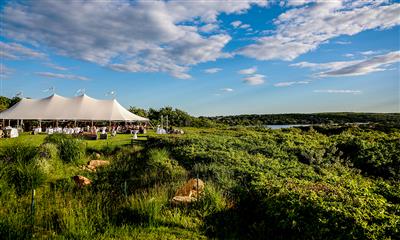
x=19, y=151
x=259, y=184
x=140, y=170
x=6, y=102
x=139, y=111
x=374, y=153
x=71, y=149
x=176, y=117
x=24, y=176
x=295, y=184
x=314, y=118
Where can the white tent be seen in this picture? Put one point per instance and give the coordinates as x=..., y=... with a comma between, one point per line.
x=56, y=107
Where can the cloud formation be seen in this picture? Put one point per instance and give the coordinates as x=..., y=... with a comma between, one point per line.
x=256, y=79
x=345, y=91
x=304, y=28
x=227, y=89
x=212, y=70
x=56, y=67
x=173, y=36
x=15, y=51
x=246, y=71
x=252, y=78
x=5, y=71
x=62, y=76
x=236, y=23
x=134, y=36
x=288, y=84
x=353, y=68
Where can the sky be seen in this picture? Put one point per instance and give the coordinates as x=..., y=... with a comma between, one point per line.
x=206, y=57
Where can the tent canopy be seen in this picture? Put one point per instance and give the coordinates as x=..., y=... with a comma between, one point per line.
x=82, y=107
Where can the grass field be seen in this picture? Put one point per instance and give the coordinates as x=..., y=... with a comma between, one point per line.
x=36, y=140
x=260, y=183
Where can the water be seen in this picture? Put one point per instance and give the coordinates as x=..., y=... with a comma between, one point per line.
x=287, y=126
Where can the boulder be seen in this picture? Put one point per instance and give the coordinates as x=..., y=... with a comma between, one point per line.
x=189, y=192
x=81, y=181
x=185, y=200
x=94, y=164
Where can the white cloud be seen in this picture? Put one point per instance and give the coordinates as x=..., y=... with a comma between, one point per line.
x=303, y=29
x=252, y=78
x=255, y=79
x=244, y=26
x=353, y=68
x=62, y=76
x=236, y=23
x=349, y=55
x=239, y=24
x=296, y=3
x=370, y=52
x=212, y=70
x=15, y=51
x=5, y=71
x=338, y=91
x=209, y=27
x=227, y=89
x=134, y=36
x=248, y=71
x=343, y=42
x=56, y=67
x=287, y=84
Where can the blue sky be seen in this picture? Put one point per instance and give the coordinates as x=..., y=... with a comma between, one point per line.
x=207, y=57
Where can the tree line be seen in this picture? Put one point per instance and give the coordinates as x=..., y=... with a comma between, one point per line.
x=6, y=102
x=180, y=118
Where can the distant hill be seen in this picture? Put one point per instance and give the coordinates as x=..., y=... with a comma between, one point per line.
x=312, y=118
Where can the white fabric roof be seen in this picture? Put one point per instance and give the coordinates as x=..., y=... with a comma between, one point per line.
x=56, y=107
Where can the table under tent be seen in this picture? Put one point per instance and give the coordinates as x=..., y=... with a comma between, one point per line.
x=58, y=110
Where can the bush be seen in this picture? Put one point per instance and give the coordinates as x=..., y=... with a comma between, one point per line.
x=18, y=152
x=160, y=167
x=71, y=149
x=48, y=151
x=374, y=153
x=24, y=176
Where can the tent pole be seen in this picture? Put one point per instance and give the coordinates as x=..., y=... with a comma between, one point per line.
x=92, y=123
x=40, y=123
x=57, y=123
x=9, y=122
x=74, y=123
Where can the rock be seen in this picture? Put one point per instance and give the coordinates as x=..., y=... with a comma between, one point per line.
x=182, y=200
x=189, y=192
x=81, y=181
x=94, y=164
x=97, y=155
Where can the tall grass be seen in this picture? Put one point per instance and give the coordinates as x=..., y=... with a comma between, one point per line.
x=71, y=149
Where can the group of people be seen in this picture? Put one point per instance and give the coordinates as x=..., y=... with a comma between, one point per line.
x=170, y=130
x=113, y=130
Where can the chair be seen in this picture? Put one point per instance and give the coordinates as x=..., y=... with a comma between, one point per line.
x=103, y=136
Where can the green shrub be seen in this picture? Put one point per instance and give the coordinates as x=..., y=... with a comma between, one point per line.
x=71, y=149
x=24, y=176
x=373, y=152
x=160, y=166
x=212, y=201
x=48, y=151
x=19, y=151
